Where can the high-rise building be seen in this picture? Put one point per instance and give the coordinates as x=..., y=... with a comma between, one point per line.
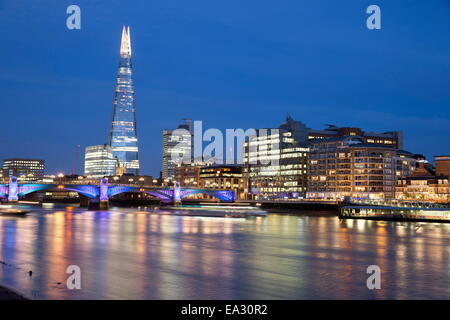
x=349, y=166
x=99, y=161
x=123, y=134
x=177, y=148
x=24, y=169
x=275, y=162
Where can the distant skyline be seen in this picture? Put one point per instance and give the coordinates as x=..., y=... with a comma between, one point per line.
x=234, y=64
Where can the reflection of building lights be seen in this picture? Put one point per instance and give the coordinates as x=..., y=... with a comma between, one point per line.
x=360, y=225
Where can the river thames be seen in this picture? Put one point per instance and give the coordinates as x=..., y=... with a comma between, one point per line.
x=146, y=254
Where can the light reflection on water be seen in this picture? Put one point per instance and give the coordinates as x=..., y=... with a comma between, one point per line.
x=131, y=254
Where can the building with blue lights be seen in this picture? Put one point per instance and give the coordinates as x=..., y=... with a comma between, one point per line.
x=123, y=134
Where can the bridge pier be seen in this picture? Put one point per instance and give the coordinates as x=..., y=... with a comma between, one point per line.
x=84, y=201
x=13, y=190
x=176, y=194
x=96, y=204
x=104, y=205
x=100, y=202
x=104, y=199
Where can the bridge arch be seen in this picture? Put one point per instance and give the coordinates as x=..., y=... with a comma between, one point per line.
x=3, y=190
x=86, y=190
x=223, y=195
x=159, y=195
x=163, y=194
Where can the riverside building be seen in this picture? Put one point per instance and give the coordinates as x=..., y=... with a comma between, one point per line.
x=349, y=166
x=188, y=174
x=275, y=162
x=426, y=183
x=227, y=177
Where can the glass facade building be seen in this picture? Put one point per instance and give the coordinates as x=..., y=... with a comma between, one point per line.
x=123, y=134
x=99, y=161
x=275, y=162
x=177, y=148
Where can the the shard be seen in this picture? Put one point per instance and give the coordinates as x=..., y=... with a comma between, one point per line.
x=123, y=134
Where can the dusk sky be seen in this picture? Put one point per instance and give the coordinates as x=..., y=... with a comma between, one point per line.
x=233, y=64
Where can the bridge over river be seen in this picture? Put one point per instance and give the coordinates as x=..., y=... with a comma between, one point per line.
x=102, y=192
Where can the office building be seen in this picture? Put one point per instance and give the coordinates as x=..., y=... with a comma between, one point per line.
x=177, y=148
x=99, y=161
x=275, y=162
x=23, y=169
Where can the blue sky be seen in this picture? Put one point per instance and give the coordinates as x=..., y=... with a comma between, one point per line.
x=232, y=64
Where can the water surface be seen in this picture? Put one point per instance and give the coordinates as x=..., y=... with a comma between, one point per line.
x=134, y=254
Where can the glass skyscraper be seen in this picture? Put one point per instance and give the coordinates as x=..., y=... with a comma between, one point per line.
x=99, y=161
x=123, y=134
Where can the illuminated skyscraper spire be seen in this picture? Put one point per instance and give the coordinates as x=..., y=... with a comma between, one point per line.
x=123, y=134
x=125, y=45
